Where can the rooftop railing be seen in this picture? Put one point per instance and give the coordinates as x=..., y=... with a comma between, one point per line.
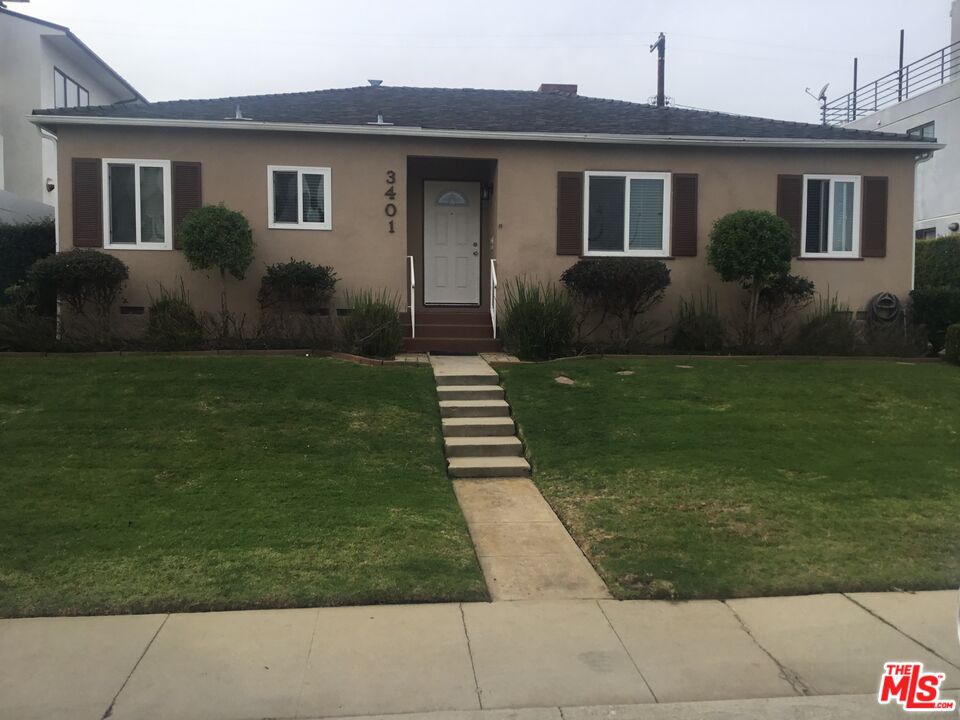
x=903, y=83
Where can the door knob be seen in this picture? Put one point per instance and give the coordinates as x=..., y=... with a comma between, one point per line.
x=476, y=252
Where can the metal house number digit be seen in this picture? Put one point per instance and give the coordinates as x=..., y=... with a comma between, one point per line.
x=390, y=209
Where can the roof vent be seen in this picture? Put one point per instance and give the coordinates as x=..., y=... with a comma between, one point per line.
x=558, y=88
x=375, y=83
x=238, y=114
x=379, y=121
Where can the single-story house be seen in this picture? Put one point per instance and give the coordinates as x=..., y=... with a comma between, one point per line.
x=457, y=187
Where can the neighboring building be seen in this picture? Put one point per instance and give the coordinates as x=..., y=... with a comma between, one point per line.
x=455, y=185
x=923, y=100
x=42, y=65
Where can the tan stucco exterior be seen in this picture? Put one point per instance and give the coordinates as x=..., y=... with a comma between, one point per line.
x=519, y=219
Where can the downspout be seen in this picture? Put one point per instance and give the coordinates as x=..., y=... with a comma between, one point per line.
x=46, y=134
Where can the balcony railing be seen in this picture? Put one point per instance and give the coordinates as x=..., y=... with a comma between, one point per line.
x=903, y=83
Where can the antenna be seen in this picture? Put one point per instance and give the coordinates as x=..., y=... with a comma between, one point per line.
x=820, y=97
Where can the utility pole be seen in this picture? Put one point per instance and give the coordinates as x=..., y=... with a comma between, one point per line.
x=661, y=47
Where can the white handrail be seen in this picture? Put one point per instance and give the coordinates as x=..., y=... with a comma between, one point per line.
x=413, y=298
x=493, y=295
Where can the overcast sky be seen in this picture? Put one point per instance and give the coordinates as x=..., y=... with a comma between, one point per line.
x=753, y=57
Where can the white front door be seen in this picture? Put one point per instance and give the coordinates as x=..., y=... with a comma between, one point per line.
x=451, y=243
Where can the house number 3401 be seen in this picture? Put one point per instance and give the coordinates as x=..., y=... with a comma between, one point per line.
x=390, y=209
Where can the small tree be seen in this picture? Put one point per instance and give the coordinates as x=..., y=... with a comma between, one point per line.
x=752, y=248
x=216, y=237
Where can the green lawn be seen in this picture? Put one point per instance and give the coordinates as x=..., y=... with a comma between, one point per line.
x=134, y=484
x=736, y=478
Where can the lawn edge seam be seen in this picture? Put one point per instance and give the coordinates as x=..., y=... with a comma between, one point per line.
x=909, y=637
x=109, y=711
x=627, y=651
x=791, y=677
x=473, y=666
x=306, y=662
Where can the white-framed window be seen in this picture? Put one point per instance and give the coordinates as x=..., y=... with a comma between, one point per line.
x=298, y=198
x=67, y=92
x=831, y=216
x=626, y=213
x=137, y=204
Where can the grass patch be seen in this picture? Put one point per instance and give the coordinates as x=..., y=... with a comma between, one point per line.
x=164, y=484
x=736, y=478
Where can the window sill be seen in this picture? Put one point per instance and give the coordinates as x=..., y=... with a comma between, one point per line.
x=629, y=255
x=153, y=248
x=829, y=257
x=300, y=227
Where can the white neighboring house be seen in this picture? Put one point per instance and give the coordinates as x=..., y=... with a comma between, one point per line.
x=923, y=99
x=43, y=65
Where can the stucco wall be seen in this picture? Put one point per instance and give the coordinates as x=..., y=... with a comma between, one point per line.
x=29, y=51
x=937, y=203
x=523, y=207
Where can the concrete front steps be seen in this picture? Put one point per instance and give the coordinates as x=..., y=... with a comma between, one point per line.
x=479, y=434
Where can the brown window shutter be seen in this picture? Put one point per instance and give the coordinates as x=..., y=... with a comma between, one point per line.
x=187, y=193
x=569, y=213
x=790, y=205
x=87, y=202
x=683, y=216
x=873, y=223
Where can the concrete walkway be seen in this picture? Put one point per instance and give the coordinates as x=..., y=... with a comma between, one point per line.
x=643, y=656
x=523, y=548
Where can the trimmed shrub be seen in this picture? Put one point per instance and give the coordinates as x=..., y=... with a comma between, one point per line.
x=79, y=277
x=951, y=344
x=373, y=326
x=21, y=245
x=538, y=320
x=173, y=323
x=297, y=284
x=215, y=237
x=752, y=248
x=698, y=327
x=831, y=329
x=938, y=262
x=619, y=288
x=936, y=309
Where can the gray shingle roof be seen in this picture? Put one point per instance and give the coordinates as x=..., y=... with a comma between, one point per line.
x=478, y=110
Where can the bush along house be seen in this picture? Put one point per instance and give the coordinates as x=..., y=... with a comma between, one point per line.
x=437, y=195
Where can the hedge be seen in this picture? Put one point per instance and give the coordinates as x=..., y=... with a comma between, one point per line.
x=936, y=309
x=952, y=344
x=21, y=245
x=938, y=262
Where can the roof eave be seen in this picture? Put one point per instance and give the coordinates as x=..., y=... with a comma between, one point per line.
x=408, y=131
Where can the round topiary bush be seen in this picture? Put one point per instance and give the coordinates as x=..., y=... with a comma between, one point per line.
x=752, y=248
x=216, y=237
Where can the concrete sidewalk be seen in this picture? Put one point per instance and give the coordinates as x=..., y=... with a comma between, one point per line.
x=649, y=659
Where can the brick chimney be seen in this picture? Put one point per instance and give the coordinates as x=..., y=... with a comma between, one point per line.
x=558, y=88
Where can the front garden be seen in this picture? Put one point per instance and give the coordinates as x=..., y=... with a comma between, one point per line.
x=139, y=484
x=716, y=478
